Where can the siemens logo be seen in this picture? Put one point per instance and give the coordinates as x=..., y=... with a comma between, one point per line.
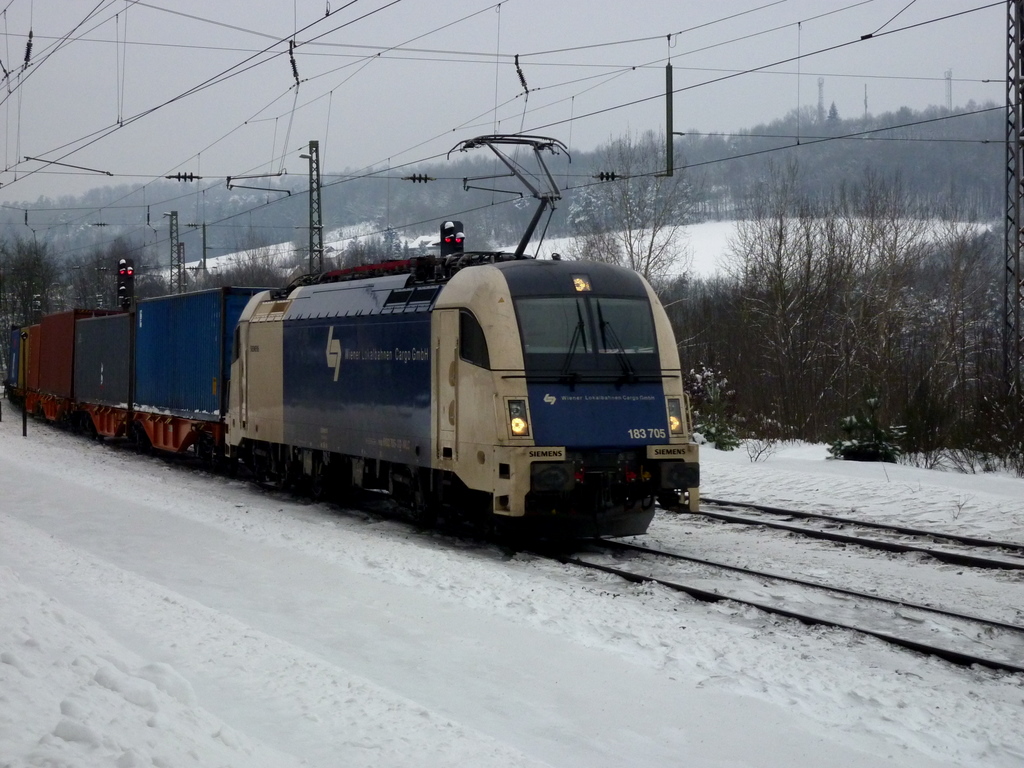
x=667, y=451
x=547, y=453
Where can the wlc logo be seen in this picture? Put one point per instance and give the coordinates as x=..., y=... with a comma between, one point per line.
x=550, y=399
x=333, y=353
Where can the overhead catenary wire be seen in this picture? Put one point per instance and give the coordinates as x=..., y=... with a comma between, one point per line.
x=860, y=135
x=327, y=14
x=868, y=134
x=58, y=44
x=890, y=21
x=232, y=71
x=101, y=134
x=776, y=63
x=718, y=160
x=734, y=73
x=573, y=117
x=580, y=117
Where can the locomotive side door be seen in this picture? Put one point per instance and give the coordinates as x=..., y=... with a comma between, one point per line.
x=242, y=329
x=446, y=378
x=237, y=388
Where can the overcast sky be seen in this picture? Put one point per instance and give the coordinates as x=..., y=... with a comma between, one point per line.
x=140, y=90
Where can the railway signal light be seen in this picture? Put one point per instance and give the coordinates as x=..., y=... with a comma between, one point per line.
x=125, y=282
x=453, y=240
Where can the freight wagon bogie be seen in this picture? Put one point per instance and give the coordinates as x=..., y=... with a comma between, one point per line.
x=427, y=495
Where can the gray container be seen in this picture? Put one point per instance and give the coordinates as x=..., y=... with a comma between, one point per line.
x=102, y=360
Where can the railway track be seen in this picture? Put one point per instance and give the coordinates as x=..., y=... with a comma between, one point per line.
x=956, y=637
x=951, y=548
x=997, y=645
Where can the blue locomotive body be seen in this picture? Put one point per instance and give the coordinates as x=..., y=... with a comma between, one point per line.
x=358, y=384
x=599, y=415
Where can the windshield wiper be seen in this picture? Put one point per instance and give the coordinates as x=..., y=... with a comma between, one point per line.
x=577, y=334
x=628, y=371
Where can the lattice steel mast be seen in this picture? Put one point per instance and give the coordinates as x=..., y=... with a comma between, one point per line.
x=316, y=225
x=1013, y=296
x=176, y=281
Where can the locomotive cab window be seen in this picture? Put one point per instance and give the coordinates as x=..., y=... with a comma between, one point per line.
x=588, y=334
x=554, y=325
x=624, y=325
x=472, y=342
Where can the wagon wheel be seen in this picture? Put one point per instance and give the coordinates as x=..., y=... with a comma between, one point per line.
x=140, y=438
x=669, y=500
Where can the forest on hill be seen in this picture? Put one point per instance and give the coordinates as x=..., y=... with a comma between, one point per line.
x=939, y=156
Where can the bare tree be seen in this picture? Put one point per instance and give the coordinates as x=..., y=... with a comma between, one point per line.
x=786, y=263
x=637, y=219
x=31, y=281
x=255, y=264
x=596, y=246
x=92, y=280
x=829, y=293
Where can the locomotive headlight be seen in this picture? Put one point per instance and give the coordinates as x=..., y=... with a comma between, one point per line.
x=518, y=420
x=675, y=416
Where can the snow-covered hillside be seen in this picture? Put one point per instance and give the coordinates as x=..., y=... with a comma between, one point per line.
x=704, y=247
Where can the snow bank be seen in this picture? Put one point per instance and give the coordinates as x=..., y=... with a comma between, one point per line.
x=190, y=619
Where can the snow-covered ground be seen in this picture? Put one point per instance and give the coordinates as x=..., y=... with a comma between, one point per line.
x=155, y=615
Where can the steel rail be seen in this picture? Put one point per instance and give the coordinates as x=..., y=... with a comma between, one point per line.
x=972, y=540
x=958, y=558
x=948, y=654
x=623, y=545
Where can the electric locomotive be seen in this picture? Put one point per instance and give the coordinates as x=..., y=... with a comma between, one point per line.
x=542, y=396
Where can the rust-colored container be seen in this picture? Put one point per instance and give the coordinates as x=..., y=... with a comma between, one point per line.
x=57, y=351
x=32, y=357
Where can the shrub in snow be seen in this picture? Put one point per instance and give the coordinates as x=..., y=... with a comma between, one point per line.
x=711, y=401
x=929, y=423
x=760, y=449
x=866, y=439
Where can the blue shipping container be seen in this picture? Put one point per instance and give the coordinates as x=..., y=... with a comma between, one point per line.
x=183, y=351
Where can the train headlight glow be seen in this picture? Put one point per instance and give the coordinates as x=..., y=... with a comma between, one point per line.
x=518, y=420
x=581, y=283
x=675, y=416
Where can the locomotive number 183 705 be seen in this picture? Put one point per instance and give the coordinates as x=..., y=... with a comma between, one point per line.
x=643, y=434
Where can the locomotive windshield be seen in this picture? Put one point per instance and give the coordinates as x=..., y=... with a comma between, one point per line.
x=553, y=325
x=624, y=325
x=581, y=335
